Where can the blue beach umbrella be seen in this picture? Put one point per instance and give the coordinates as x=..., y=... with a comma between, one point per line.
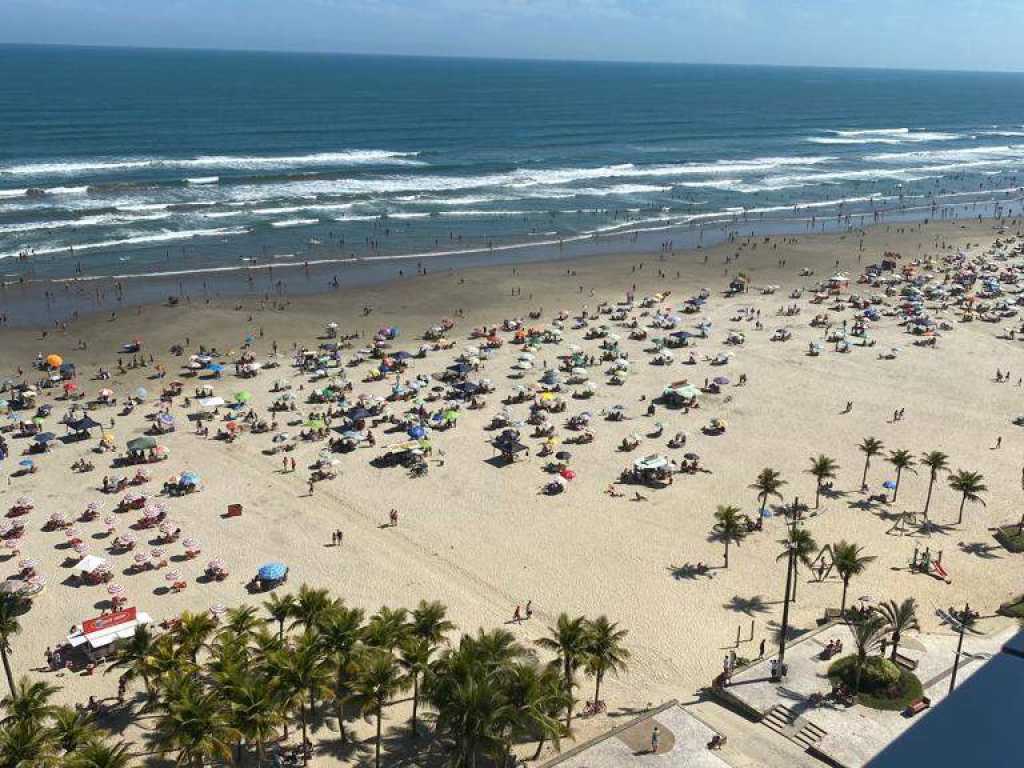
x=215, y=367
x=272, y=571
x=890, y=484
x=44, y=437
x=26, y=463
x=417, y=432
x=189, y=478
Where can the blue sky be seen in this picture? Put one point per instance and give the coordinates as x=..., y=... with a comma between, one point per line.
x=931, y=34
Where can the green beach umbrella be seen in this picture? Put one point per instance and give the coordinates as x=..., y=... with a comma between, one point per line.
x=243, y=397
x=144, y=443
x=315, y=424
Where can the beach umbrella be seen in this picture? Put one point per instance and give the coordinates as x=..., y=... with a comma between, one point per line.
x=172, y=576
x=115, y=589
x=44, y=437
x=127, y=538
x=243, y=397
x=189, y=478
x=59, y=518
x=143, y=443
x=216, y=565
x=81, y=547
x=691, y=457
x=315, y=424
x=23, y=501
x=11, y=544
x=272, y=571
x=563, y=455
x=30, y=564
x=217, y=610
x=890, y=484
x=190, y=544
x=141, y=393
x=416, y=432
x=721, y=380
x=54, y=361
x=28, y=463
x=165, y=420
x=37, y=580
x=568, y=474
x=156, y=553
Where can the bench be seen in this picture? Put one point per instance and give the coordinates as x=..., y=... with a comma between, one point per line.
x=917, y=706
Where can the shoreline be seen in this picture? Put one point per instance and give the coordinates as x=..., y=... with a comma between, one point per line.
x=40, y=302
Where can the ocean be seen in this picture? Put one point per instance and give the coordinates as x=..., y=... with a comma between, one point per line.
x=118, y=162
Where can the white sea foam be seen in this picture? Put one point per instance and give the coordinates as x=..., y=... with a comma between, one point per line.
x=294, y=223
x=73, y=167
x=12, y=193
x=204, y=180
x=1004, y=152
x=883, y=136
x=102, y=220
x=142, y=239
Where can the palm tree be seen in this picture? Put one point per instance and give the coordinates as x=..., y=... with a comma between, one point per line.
x=195, y=723
x=98, y=753
x=970, y=486
x=568, y=640
x=30, y=702
x=936, y=461
x=310, y=606
x=767, y=484
x=339, y=638
x=386, y=628
x=474, y=712
x=280, y=610
x=300, y=671
x=902, y=459
x=241, y=622
x=730, y=526
x=192, y=631
x=377, y=681
x=800, y=540
x=899, y=618
x=73, y=727
x=24, y=745
x=414, y=656
x=822, y=468
x=536, y=695
x=867, y=637
x=254, y=712
x=849, y=562
x=429, y=621
x=132, y=658
x=870, y=447
x=604, y=651
x=10, y=609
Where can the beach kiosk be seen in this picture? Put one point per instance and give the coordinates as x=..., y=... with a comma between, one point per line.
x=100, y=637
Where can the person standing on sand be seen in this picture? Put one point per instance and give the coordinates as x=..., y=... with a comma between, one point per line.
x=655, y=740
x=311, y=485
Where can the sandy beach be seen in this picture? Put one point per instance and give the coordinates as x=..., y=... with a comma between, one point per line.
x=482, y=537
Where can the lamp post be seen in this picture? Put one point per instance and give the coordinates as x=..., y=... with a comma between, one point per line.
x=962, y=620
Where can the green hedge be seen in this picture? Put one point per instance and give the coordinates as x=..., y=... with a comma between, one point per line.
x=883, y=685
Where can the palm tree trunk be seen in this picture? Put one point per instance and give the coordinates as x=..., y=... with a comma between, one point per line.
x=302, y=716
x=726, y=553
x=960, y=517
x=540, y=746
x=895, y=646
x=817, y=495
x=842, y=608
x=597, y=688
x=376, y=759
x=415, y=701
x=896, y=490
x=796, y=570
x=864, y=478
x=259, y=753
x=928, y=498
x=7, y=668
x=860, y=669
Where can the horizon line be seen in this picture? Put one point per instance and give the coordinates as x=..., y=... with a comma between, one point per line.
x=520, y=59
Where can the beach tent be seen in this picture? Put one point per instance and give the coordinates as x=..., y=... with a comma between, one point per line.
x=143, y=443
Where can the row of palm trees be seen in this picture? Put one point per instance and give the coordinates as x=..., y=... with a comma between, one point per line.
x=226, y=690
x=848, y=559
x=969, y=484
x=35, y=733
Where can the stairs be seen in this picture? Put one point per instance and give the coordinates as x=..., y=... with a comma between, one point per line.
x=783, y=721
